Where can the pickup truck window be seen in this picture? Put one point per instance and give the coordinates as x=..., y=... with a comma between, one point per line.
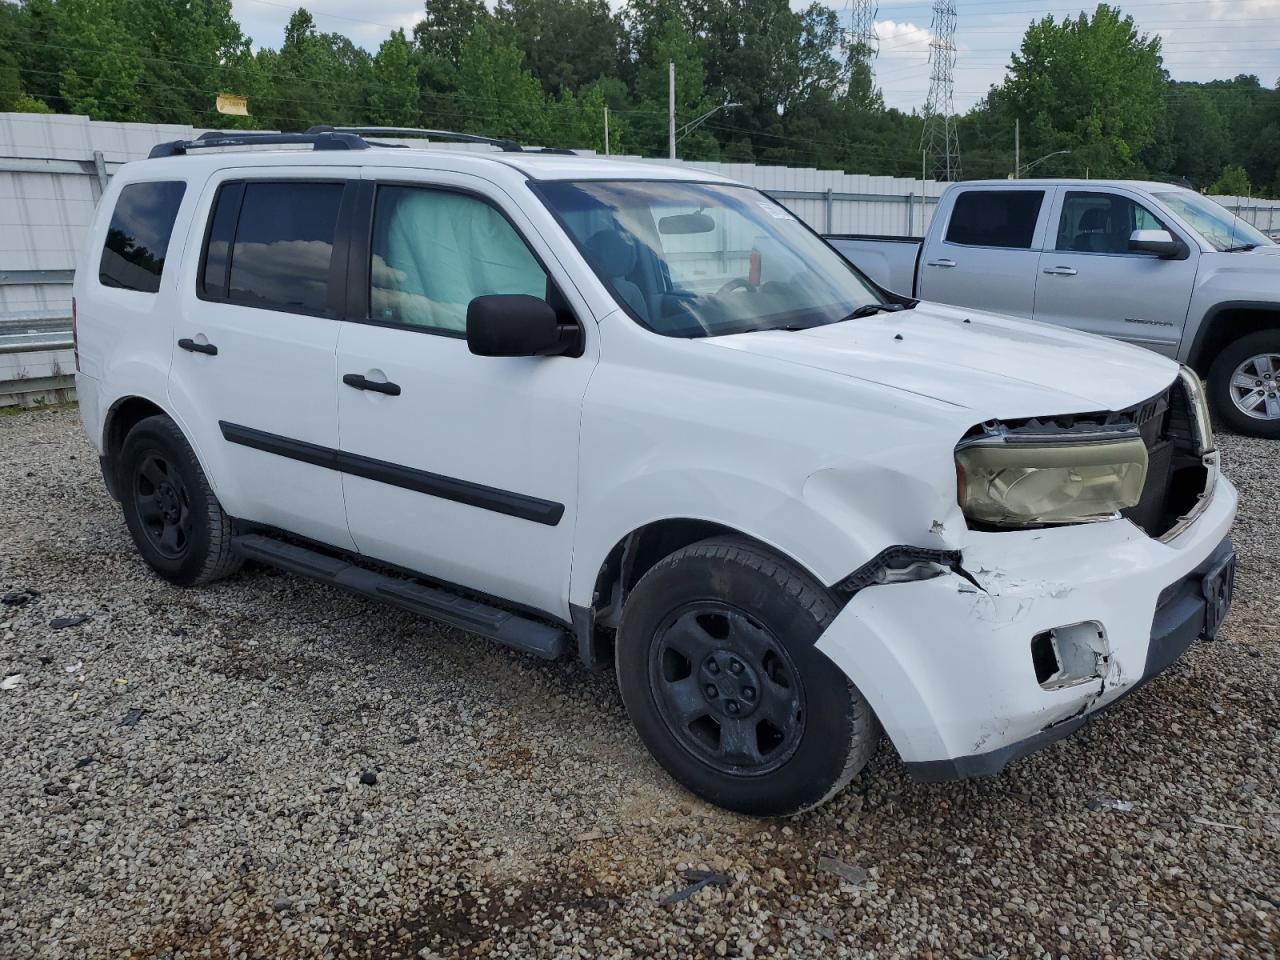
x=138, y=237
x=995, y=218
x=697, y=259
x=433, y=251
x=1218, y=225
x=1095, y=222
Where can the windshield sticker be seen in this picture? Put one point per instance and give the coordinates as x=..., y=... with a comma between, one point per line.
x=775, y=211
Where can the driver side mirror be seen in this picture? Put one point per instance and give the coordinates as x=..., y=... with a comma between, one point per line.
x=1160, y=242
x=518, y=325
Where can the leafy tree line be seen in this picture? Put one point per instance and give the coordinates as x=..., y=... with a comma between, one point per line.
x=543, y=71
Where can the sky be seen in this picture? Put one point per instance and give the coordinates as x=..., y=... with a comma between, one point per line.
x=1202, y=39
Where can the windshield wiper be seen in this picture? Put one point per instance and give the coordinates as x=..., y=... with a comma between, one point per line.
x=868, y=309
x=1240, y=248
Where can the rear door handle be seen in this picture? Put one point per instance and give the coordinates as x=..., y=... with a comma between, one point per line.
x=361, y=382
x=944, y=263
x=1060, y=271
x=192, y=347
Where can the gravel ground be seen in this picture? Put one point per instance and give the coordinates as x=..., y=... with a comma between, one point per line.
x=268, y=768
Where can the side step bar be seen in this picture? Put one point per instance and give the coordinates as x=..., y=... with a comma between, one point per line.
x=521, y=633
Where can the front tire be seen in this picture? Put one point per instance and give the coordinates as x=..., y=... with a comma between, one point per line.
x=719, y=673
x=172, y=514
x=1244, y=385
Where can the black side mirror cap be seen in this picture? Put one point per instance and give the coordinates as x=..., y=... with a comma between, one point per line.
x=518, y=325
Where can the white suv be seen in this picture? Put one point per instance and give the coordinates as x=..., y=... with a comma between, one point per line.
x=646, y=415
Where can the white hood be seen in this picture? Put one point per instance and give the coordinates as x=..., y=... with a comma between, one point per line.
x=998, y=366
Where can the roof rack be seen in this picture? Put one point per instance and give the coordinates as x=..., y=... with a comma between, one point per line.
x=326, y=140
x=506, y=146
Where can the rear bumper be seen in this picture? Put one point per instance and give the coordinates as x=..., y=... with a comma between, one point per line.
x=948, y=667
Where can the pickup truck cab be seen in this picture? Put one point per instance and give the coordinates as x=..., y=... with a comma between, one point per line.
x=1149, y=263
x=644, y=415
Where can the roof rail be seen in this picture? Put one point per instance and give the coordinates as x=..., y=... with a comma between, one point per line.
x=326, y=140
x=506, y=146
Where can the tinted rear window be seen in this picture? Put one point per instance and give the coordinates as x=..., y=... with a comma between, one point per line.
x=995, y=218
x=282, y=246
x=138, y=237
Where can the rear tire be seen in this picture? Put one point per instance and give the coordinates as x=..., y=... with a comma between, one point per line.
x=172, y=514
x=719, y=673
x=1254, y=358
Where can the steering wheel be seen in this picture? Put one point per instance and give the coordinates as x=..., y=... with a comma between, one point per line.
x=737, y=283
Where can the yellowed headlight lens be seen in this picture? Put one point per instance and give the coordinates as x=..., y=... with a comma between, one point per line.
x=1011, y=484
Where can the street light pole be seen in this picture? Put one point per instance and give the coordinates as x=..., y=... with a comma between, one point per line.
x=1056, y=153
x=671, y=109
x=1017, y=147
x=693, y=125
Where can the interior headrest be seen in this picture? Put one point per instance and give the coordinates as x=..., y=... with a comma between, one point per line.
x=1095, y=218
x=612, y=253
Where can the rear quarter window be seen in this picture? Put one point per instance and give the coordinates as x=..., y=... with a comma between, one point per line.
x=137, y=241
x=995, y=218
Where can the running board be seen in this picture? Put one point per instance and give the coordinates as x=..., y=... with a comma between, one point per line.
x=511, y=629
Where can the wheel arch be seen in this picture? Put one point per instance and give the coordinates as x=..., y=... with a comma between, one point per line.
x=122, y=416
x=1229, y=321
x=630, y=558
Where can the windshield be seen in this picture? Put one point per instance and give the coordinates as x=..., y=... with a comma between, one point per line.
x=697, y=260
x=1213, y=221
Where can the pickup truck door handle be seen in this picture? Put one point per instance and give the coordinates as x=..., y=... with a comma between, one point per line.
x=944, y=263
x=1060, y=271
x=192, y=347
x=364, y=383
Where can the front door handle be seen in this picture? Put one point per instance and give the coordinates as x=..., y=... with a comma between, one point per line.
x=944, y=263
x=364, y=383
x=192, y=347
x=1060, y=271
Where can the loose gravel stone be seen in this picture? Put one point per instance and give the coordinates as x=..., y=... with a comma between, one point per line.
x=516, y=813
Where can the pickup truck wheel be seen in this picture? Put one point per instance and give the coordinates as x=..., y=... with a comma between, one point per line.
x=175, y=520
x=1244, y=384
x=718, y=671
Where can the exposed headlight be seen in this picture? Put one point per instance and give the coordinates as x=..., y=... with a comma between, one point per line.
x=1194, y=388
x=1026, y=482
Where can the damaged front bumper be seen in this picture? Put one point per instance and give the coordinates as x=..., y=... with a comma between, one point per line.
x=956, y=668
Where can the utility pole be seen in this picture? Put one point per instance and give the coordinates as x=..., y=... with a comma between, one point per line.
x=1017, y=147
x=606, y=131
x=939, y=138
x=671, y=109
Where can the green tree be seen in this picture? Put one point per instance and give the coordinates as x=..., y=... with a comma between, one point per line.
x=393, y=95
x=101, y=71
x=314, y=78
x=1198, y=138
x=1091, y=85
x=567, y=44
x=648, y=127
x=1232, y=182
x=495, y=95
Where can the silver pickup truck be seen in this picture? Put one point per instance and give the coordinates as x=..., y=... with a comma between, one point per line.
x=1150, y=263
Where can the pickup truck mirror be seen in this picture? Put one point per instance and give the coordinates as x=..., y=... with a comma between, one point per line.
x=518, y=325
x=1160, y=242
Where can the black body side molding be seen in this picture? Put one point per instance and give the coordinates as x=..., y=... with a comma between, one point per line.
x=506, y=502
x=511, y=629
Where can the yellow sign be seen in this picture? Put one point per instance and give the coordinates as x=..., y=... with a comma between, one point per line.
x=232, y=104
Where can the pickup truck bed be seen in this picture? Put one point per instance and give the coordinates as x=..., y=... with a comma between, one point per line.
x=889, y=261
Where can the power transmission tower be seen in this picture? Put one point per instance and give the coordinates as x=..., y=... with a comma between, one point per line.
x=939, y=142
x=861, y=46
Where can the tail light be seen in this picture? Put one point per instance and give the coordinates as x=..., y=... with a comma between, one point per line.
x=75, y=335
x=753, y=268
